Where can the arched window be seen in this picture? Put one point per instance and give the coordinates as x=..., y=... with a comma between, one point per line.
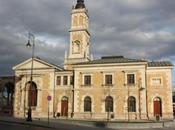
x=76, y=46
x=131, y=104
x=87, y=104
x=32, y=94
x=109, y=104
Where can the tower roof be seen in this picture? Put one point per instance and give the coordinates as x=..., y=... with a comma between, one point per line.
x=80, y=4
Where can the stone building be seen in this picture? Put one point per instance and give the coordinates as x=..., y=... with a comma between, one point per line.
x=110, y=88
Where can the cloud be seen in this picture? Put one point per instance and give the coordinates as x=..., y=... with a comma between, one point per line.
x=133, y=28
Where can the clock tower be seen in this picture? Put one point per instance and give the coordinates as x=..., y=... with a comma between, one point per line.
x=79, y=36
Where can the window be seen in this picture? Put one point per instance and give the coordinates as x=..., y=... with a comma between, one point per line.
x=109, y=104
x=58, y=80
x=76, y=47
x=108, y=79
x=173, y=98
x=87, y=104
x=131, y=104
x=130, y=79
x=32, y=94
x=87, y=80
x=71, y=80
x=75, y=21
x=156, y=81
x=64, y=80
x=81, y=20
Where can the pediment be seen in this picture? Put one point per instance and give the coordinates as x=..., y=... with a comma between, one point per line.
x=37, y=64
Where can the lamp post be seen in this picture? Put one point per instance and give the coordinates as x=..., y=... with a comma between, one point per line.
x=31, y=37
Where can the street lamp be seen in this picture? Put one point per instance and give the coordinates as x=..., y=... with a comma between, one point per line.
x=31, y=37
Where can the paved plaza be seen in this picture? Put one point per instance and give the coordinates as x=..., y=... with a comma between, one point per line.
x=10, y=123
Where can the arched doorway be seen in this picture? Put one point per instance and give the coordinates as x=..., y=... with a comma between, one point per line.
x=64, y=106
x=131, y=104
x=87, y=104
x=32, y=94
x=109, y=104
x=157, y=107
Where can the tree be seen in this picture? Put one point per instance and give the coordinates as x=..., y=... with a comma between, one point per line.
x=10, y=90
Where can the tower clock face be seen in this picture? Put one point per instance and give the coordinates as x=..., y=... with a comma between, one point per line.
x=76, y=46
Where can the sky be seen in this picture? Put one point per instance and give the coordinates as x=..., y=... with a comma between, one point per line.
x=143, y=29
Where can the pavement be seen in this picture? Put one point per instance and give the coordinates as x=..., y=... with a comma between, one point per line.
x=69, y=124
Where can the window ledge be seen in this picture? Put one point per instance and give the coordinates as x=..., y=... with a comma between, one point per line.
x=86, y=85
x=88, y=112
x=134, y=84
x=132, y=112
x=108, y=85
x=64, y=86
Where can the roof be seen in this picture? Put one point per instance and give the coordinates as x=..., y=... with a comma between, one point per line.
x=80, y=4
x=111, y=59
x=159, y=63
x=122, y=59
x=40, y=61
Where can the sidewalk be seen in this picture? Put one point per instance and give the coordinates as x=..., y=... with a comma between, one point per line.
x=67, y=124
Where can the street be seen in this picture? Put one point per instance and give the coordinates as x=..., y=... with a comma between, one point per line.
x=17, y=126
x=14, y=126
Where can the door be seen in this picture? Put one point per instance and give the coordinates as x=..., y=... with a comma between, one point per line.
x=64, y=106
x=157, y=107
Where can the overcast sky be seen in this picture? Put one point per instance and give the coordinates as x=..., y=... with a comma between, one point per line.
x=133, y=28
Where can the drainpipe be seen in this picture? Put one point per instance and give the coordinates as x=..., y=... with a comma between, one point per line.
x=73, y=92
x=146, y=92
x=140, y=84
x=54, y=95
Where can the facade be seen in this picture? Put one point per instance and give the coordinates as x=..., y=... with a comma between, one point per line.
x=110, y=88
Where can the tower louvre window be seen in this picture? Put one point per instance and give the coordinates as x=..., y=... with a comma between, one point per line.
x=76, y=46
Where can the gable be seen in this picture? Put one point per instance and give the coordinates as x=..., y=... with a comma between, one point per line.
x=37, y=64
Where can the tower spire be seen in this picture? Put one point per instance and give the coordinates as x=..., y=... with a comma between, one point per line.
x=80, y=4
